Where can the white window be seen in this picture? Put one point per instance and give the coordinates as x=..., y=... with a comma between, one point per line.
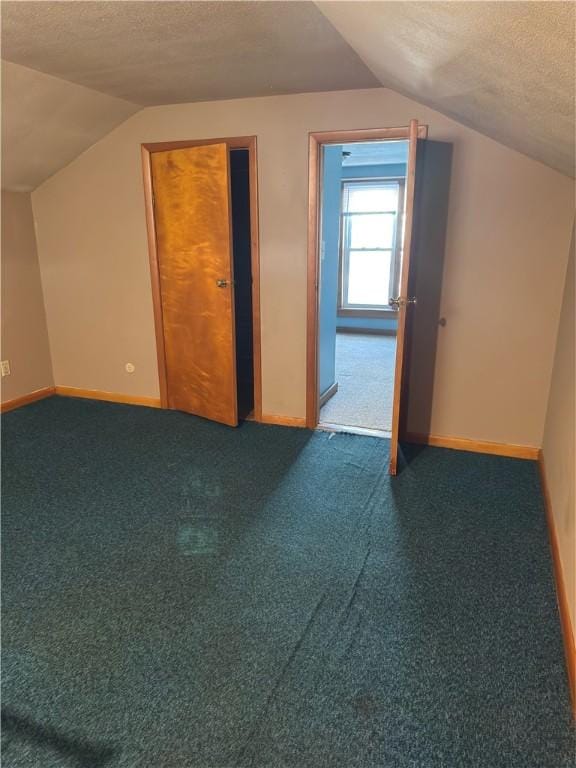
x=371, y=243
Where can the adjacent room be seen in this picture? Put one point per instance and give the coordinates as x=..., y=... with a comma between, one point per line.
x=287, y=393
x=363, y=190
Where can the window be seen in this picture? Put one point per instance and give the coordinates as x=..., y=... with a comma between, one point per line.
x=371, y=243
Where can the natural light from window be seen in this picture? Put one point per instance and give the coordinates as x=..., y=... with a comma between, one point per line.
x=370, y=224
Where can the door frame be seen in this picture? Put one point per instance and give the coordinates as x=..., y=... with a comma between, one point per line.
x=315, y=141
x=235, y=142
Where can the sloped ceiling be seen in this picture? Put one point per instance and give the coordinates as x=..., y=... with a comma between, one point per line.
x=77, y=69
x=505, y=69
x=47, y=122
x=168, y=52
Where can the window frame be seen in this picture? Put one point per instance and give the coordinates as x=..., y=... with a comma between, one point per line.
x=373, y=310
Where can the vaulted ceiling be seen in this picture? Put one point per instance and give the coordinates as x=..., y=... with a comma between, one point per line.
x=169, y=52
x=77, y=69
x=505, y=69
x=47, y=122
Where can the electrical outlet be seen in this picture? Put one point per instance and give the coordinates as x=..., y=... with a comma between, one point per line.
x=5, y=367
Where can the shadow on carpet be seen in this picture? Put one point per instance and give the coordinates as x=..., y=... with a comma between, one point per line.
x=179, y=594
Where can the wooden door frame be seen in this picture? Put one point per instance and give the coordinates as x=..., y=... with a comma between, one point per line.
x=315, y=141
x=235, y=142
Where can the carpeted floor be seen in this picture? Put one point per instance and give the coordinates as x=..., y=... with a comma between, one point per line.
x=365, y=374
x=177, y=594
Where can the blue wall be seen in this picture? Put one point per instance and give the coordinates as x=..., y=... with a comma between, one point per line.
x=376, y=323
x=329, y=245
x=369, y=171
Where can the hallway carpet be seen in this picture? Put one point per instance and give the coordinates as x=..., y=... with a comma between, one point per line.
x=365, y=365
x=178, y=594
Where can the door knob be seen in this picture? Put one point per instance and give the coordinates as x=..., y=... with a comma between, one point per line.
x=222, y=283
x=400, y=301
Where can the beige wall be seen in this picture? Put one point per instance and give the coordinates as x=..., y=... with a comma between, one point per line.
x=508, y=233
x=24, y=333
x=559, y=439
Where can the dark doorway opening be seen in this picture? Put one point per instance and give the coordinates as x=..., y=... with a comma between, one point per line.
x=242, y=259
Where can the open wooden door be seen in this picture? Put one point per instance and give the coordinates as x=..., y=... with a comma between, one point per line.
x=191, y=189
x=402, y=302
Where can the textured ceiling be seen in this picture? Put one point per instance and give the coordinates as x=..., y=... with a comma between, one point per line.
x=503, y=68
x=168, y=52
x=47, y=122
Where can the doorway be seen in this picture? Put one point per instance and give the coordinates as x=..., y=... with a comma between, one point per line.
x=202, y=220
x=360, y=232
x=361, y=215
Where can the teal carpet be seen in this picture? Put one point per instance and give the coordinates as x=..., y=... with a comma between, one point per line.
x=177, y=594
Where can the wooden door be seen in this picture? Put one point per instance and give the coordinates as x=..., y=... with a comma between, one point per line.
x=403, y=302
x=191, y=189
